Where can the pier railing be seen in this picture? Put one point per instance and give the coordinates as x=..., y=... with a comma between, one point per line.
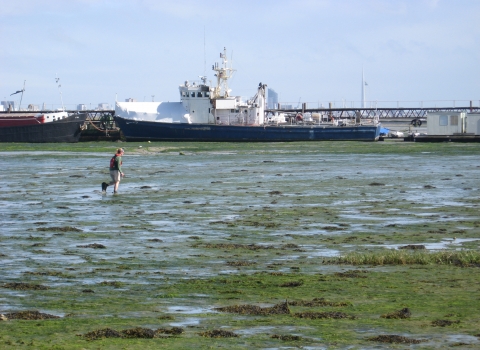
x=342, y=113
x=400, y=112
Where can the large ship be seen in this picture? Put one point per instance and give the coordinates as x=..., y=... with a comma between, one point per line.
x=41, y=127
x=207, y=113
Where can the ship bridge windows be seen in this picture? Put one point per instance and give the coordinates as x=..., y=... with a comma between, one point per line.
x=207, y=93
x=192, y=94
x=199, y=94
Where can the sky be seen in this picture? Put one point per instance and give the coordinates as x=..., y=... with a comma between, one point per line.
x=411, y=52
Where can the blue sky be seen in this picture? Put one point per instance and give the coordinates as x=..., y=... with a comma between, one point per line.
x=308, y=51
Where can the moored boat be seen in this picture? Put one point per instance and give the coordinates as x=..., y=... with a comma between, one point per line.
x=208, y=113
x=41, y=127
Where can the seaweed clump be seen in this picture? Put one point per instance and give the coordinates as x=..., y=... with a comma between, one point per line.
x=400, y=314
x=318, y=302
x=286, y=337
x=171, y=331
x=29, y=315
x=24, y=286
x=218, y=333
x=413, y=246
x=93, y=245
x=231, y=246
x=240, y=263
x=292, y=284
x=60, y=229
x=137, y=332
x=278, y=309
x=102, y=333
x=443, y=323
x=319, y=315
x=398, y=339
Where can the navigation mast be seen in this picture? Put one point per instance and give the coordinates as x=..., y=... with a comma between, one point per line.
x=60, y=91
x=223, y=74
x=21, y=98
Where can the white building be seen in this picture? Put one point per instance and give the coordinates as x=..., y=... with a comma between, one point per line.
x=103, y=106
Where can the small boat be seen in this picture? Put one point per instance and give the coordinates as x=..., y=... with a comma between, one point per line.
x=41, y=127
x=207, y=113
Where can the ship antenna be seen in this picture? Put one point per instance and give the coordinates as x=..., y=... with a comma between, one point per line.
x=223, y=73
x=204, y=55
x=60, y=91
x=21, y=98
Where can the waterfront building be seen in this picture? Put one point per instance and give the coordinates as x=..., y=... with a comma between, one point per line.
x=272, y=99
x=103, y=106
x=6, y=104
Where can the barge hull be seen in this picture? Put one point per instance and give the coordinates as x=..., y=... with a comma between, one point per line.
x=135, y=130
x=65, y=130
x=447, y=138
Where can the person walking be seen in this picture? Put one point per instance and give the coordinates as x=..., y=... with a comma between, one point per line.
x=115, y=171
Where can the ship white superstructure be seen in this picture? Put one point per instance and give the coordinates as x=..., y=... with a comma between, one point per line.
x=202, y=104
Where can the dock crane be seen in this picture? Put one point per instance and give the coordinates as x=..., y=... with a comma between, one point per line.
x=298, y=104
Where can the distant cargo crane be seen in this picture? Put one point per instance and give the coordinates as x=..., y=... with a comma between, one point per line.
x=298, y=104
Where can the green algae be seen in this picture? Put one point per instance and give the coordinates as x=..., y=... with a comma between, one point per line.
x=189, y=148
x=395, y=257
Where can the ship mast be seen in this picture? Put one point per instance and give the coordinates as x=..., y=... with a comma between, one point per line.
x=60, y=91
x=21, y=98
x=223, y=73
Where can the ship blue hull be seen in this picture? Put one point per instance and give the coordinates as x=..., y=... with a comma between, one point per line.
x=135, y=130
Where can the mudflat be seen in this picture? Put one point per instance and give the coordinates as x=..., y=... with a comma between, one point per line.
x=240, y=245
